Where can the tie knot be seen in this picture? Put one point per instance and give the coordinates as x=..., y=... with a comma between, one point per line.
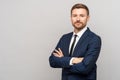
x=75, y=35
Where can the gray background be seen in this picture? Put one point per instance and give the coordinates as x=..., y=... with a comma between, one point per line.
x=30, y=29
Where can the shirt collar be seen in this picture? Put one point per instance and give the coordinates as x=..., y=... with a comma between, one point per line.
x=79, y=34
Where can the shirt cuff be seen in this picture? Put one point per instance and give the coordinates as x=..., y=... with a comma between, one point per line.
x=71, y=61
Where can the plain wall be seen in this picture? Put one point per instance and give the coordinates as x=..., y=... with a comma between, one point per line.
x=30, y=30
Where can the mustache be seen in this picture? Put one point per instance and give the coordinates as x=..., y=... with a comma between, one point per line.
x=78, y=22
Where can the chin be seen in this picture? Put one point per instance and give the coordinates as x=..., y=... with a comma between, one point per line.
x=79, y=28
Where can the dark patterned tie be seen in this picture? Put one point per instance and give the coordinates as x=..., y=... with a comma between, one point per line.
x=72, y=46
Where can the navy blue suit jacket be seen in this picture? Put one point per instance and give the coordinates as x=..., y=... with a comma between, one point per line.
x=88, y=47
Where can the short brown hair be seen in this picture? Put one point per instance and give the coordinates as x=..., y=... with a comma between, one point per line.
x=80, y=5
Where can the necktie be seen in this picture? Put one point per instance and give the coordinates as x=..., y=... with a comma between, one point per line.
x=72, y=46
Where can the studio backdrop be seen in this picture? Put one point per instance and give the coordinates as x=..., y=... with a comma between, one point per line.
x=30, y=30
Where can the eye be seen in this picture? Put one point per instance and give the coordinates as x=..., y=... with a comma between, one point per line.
x=74, y=15
x=82, y=15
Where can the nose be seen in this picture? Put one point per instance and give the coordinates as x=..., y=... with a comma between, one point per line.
x=78, y=18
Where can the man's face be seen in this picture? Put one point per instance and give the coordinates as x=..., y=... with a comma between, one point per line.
x=79, y=18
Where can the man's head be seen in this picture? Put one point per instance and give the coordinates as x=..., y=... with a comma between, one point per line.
x=79, y=16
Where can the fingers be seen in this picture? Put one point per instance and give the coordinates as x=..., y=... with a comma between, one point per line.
x=81, y=58
x=58, y=53
x=77, y=60
x=60, y=50
x=55, y=54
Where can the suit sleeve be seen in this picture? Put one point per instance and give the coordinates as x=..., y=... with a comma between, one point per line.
x=90, y=58
x=57, y=62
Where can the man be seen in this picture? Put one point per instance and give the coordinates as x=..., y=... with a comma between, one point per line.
x=77, y=52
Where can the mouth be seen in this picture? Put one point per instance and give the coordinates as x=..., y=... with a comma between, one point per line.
x=78, y=23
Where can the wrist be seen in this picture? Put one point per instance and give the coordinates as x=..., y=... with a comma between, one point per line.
x=71, y=61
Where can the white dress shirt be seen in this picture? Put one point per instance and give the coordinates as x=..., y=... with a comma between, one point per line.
x=79, y=34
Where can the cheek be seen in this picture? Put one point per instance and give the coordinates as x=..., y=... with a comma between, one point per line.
x=73, y=20
x=84, y=20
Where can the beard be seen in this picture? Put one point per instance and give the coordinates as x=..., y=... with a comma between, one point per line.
x=78, y=25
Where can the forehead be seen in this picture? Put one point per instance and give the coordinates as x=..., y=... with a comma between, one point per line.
x=79, y=11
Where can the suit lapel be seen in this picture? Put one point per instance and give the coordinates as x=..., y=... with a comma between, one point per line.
x=83, y=37
x=68, y=39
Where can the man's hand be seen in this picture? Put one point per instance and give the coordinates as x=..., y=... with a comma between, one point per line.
x=58, y=53
x=77, y=60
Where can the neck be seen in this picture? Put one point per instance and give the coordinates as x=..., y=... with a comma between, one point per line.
x=77, y=30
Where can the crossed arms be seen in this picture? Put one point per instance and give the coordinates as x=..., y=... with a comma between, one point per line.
x=80, y=64
x=58, y=53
